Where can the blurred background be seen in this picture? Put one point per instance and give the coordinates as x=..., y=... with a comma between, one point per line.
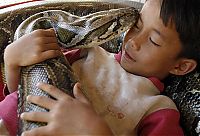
x=8, y=2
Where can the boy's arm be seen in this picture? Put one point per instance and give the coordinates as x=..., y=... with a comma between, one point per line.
x=27, y=50
x=12, y=77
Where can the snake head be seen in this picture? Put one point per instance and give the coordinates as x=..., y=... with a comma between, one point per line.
x=97, y=28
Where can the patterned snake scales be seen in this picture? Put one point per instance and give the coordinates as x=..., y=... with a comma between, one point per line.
x=72, y=32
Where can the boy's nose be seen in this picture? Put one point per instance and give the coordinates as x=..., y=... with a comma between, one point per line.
x=134, y=44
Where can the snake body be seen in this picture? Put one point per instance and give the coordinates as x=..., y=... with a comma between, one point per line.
x=72, y=32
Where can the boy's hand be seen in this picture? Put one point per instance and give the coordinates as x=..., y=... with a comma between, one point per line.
x=66, y=115
x=27, y=50
x=32, y=48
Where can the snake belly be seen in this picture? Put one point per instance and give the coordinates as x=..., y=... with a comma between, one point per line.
x=72, y=32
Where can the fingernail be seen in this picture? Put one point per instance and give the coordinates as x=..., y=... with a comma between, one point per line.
x=38, y=84
x=28, y=98
x=22, y=115
x=23, y=134
x=79, y=86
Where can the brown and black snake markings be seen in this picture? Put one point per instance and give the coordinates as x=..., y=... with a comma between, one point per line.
x=72, y=32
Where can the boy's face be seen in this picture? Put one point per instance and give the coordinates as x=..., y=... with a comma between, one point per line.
x=152, y=48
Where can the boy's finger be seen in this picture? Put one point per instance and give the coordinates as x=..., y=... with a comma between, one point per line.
x=50, y=32
x=79, y=94
x=42, y=101
x=52, y=90
x=44, y=32
x=49, y=39
x=50, y=54
x=40, y=131
x=51, y=46
x=35, y=116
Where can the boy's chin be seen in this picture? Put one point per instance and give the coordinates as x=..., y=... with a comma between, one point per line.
x=126, y=67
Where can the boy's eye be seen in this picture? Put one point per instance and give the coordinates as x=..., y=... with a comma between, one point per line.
x=153, y=42
x=136, y=28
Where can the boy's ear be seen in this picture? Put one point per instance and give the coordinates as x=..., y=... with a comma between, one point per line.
x=184, y=66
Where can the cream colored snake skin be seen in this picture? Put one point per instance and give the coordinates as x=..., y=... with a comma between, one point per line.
x=72, y=32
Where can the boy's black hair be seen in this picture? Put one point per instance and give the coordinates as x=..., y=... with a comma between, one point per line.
x=185, y=14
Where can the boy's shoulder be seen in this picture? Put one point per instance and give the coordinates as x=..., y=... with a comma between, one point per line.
x=163, y=102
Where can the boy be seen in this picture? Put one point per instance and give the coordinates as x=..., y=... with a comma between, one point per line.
x=161, y=45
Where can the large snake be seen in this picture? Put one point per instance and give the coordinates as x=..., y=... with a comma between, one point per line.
x=72, y=32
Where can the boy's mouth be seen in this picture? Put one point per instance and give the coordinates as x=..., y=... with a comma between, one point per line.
x=126, y=55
